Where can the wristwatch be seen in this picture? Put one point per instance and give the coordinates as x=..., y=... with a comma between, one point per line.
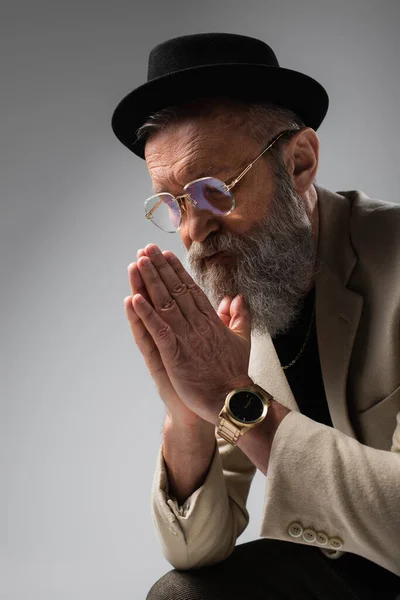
x=244, y=409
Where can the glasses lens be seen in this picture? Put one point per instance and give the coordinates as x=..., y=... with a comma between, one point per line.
x=163, y=211
x=211, y=194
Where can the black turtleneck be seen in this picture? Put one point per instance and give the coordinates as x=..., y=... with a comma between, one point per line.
x=304, y=377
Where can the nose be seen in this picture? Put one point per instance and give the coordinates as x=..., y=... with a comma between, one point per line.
x=197, y=223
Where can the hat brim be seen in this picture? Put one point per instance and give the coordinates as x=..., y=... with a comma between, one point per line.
x=249, y=82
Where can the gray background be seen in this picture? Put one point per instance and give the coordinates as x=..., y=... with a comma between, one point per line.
x=80, y=417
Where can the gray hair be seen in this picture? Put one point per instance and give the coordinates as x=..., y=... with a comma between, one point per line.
x=261, y=120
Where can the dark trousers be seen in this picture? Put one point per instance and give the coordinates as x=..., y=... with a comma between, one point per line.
x=275, y=570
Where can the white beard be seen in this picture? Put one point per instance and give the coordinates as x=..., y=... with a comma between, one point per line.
x=274, y=264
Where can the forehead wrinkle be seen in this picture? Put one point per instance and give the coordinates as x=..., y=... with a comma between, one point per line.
x=185, y=171
x=186, y=153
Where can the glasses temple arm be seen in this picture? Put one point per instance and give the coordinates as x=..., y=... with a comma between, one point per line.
x=149, y=214
x=243, y=173
x=179, y=199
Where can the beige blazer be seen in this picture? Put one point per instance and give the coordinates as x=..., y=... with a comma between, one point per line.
x=335, y=488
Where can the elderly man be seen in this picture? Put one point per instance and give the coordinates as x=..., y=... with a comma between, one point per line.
x=281, y=350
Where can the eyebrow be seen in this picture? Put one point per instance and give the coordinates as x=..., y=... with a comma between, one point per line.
x=211, y=171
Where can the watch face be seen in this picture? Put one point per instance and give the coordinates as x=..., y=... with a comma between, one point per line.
x=246, y=406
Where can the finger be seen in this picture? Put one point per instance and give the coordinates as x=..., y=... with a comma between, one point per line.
x=199, y=297
x=240, y=318
x=136, y=282
x=162, y=299
x=223, y=310
x=162, y=334
x=146, y=345
x=173, y=284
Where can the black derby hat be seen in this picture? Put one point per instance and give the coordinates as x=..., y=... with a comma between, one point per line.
x=208, y=65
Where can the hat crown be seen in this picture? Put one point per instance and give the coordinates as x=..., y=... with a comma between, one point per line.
x=209, y=65
x=201, y=49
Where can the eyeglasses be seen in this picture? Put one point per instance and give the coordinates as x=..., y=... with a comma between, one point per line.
x=206, y=193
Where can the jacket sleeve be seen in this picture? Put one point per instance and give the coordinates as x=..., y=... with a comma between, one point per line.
x=204, y=530
x=324, y=481
x=319, y=478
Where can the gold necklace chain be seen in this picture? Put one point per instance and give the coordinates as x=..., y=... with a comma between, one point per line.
x=305, y=342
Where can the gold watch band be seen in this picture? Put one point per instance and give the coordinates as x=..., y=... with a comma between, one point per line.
x=229, y=431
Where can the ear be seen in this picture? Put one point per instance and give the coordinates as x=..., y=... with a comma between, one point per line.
x=301, y=157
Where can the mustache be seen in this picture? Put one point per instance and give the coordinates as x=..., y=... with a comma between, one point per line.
x=201, y=250
x=220, y=242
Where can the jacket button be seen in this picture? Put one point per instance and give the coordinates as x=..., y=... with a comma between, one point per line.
x=309, y=535
x=335, y=543
x=295, y=529
x=322, y=538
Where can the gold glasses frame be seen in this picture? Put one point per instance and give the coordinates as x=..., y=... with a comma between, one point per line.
x=180, y=200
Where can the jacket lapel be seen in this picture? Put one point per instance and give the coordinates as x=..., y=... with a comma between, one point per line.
x=338, y=310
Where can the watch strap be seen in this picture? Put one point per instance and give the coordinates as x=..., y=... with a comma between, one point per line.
x=229, y=431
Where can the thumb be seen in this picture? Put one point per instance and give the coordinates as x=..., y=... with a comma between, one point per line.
x=240, y=321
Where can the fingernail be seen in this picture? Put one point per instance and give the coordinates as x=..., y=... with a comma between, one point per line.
x=153, y=251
